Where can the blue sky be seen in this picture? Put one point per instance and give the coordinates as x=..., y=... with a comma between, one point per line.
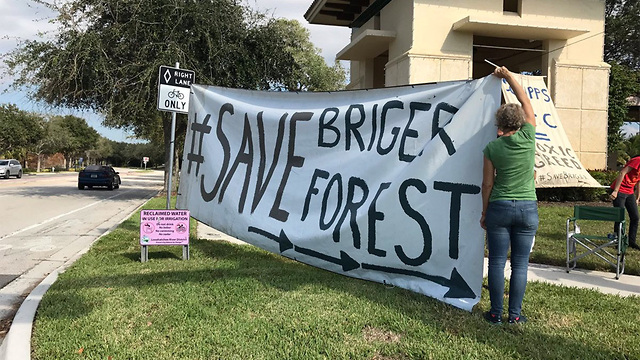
x=21, y=19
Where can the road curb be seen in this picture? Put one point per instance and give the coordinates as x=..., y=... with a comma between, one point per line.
x=17, y=342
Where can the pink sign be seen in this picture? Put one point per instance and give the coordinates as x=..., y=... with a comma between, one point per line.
x=164, y=227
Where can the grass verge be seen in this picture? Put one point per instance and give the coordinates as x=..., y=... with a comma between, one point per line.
x=239, y=302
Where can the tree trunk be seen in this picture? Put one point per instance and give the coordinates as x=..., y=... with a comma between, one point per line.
x=39, y=162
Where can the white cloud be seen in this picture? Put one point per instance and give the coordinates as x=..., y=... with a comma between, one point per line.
x=21, y=20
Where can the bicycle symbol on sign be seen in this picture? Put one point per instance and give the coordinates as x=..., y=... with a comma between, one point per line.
x=176, y=93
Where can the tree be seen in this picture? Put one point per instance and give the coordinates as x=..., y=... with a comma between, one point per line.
x=60, y=137
x=20, y=131
x=629, y=148
x=310, y=71
x=623, y=83
x=622, y=32
x=74, y=137
x=44, y=146
x=107, y=54
x=622, y=52
x=99, y=153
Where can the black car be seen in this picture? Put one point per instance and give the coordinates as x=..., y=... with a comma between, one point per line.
x=99, y=175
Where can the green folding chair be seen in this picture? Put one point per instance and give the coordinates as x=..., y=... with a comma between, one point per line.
x=608, y=248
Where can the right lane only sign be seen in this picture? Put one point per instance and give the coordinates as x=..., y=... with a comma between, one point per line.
x=173, y=89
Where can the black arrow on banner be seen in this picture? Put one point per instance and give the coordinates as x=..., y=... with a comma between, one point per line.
x=346, y=261
x=458, y=287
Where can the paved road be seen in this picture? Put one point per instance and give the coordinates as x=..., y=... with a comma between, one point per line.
x=45, y=221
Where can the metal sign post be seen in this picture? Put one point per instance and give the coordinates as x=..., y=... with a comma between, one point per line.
x=173, y=96
x=171, y=150
x=164, y=227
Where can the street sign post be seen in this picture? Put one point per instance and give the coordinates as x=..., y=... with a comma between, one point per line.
x=173, y=96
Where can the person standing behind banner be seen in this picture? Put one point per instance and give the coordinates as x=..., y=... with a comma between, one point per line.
x=509, y=202
x=624, y=196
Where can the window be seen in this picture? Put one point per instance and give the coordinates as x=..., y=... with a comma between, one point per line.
x=511, y=6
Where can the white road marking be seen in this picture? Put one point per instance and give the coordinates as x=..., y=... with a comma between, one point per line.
x=61, y=215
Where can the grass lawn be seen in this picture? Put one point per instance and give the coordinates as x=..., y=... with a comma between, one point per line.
x=239, y=302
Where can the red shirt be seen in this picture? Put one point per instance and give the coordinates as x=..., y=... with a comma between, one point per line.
x=631, y=178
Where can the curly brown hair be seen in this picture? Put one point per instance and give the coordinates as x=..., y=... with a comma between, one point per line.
x=510, y=117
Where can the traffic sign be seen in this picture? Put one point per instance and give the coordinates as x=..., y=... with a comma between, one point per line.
x=173, y=89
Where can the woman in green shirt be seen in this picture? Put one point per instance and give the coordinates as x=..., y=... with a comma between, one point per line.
x=509, y=203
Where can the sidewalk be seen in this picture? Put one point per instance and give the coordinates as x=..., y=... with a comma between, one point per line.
x=17, y=343
x=605, y=282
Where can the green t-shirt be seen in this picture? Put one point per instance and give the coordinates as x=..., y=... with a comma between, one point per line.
x=513, y=158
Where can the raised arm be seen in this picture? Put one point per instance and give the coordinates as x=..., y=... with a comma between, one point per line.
x=521, y=95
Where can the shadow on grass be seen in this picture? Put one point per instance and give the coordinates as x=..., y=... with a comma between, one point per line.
x=130, y=225
x=275, y=271
x=155, y=255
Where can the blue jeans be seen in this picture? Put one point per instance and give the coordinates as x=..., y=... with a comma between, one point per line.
x=509, y=223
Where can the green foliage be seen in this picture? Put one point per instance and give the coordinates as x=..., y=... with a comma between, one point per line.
x=124, y=154
x=622, y=32
x=623, y=82
x=102, y=150
x=19, y=131
x=628, y=148
x=74, y=136
x=309, y=72
x=621, y=51
x=107, y=54
x=580, y=194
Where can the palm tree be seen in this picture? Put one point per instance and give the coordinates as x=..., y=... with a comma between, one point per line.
x=628, y=149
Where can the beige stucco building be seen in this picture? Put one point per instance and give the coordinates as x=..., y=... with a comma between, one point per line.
x=398, y=42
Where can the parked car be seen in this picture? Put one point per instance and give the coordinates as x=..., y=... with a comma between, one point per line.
x=98, y=175
x=10, y=167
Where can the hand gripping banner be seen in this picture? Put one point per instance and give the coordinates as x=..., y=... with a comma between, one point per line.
x=556, y=163
x=382, y=185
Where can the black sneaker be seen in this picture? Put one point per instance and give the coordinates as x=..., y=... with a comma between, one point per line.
x=634, y=246
x=493, y=319
x=517, y=319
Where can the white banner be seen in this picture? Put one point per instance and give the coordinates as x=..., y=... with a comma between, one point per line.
x=556, y=163
x=381, y=184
